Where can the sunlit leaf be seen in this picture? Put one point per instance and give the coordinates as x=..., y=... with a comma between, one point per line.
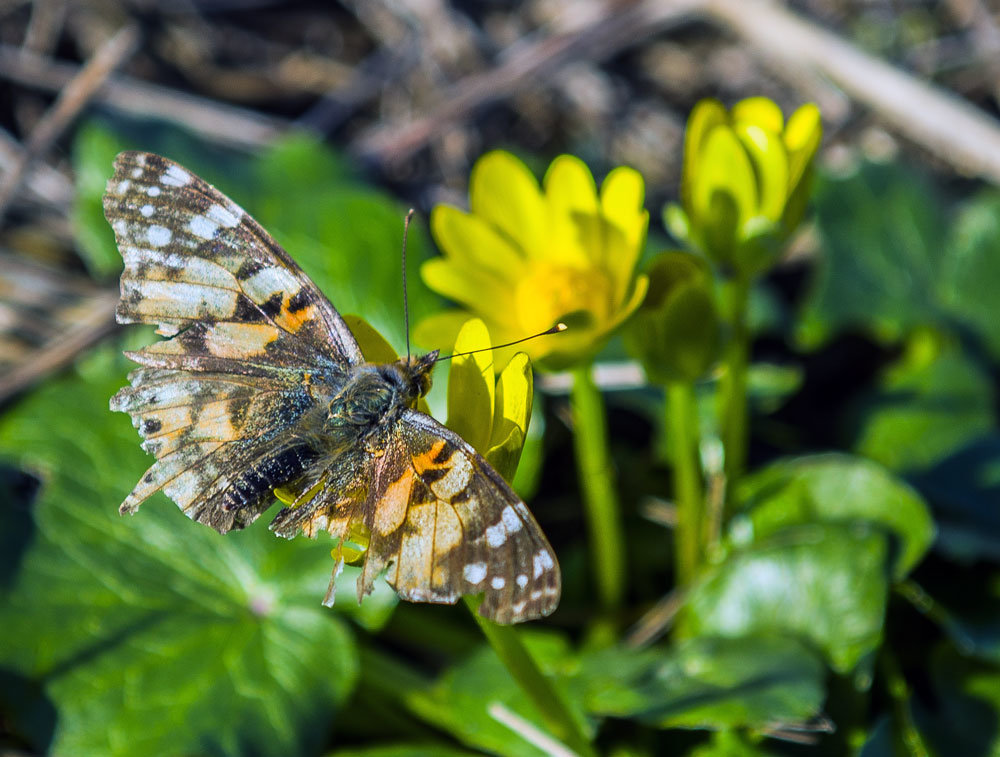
x=825, y=583
x=183, y=640
x=837, y=488
x=708, y=682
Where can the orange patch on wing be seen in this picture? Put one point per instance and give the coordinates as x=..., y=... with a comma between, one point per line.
x=390, y=511
x=426, y=460
x=292, y=322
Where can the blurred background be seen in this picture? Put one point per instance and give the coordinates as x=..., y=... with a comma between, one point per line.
x=877, y=333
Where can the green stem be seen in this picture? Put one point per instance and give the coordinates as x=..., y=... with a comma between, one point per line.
x=899, y=692
x=604, y=524
x=539, y=689
x=683, y=429
x=733, y=384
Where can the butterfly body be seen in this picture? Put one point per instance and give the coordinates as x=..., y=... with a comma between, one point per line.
x=260, y=384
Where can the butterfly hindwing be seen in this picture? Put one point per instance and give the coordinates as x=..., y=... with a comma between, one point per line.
x=219, y=441
x=443, y=524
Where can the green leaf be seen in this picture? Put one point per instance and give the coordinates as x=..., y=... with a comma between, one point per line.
x=183, y=640
x=770, y=385
x=706, y=682
x=730, y=744
x=965, y=489
x=404, y=750
x=94, y=150
x=966, y=696
x=882, y=234
x=826, y=583
x=927, y=407
x=970, y=276
x=472, y=700
x=836, y=488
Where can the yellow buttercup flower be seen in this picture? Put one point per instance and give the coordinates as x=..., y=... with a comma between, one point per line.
x=526, y=257
x=745, y=179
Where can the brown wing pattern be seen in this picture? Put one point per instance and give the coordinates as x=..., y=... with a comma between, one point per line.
x=444, y=524
x=193, y=257
x=218, y=401
x=220, y=441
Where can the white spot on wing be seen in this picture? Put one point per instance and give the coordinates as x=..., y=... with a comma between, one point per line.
x=498, y=582
x=123, y=186
x=496, y=535
x=153, y=191
x=541, y=562
x=136, y=173
x=203, y=227
x=120, y=227
x=522, y=580
x=475, y=572
x=175, y=176
x=223, y=216
x=147, y=210
x=510, y=519
x=159, y=235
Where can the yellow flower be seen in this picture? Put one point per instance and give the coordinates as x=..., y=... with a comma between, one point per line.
x=527, y=257
x=745, y=179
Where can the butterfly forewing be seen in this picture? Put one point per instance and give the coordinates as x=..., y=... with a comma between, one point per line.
x=237, y=401
x=193, y=256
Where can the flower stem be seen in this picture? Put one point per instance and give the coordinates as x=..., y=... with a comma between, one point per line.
x=683, y=429
x=733, y=384
x=598, y=487
x=547, y=699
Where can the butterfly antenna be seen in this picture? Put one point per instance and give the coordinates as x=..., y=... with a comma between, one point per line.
x=554, y=330
x=406, y=303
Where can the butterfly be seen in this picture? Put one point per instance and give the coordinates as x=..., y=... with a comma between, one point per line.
x=259, y=384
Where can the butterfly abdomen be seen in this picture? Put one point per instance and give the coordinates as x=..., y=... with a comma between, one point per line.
x=253, y=488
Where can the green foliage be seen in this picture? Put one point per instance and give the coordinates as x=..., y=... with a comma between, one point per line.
x=709, y=682
x=156, y=635
x=835, y=489
x=153, y=634
x=826, y=583
x=931, y=404
x=465, y=699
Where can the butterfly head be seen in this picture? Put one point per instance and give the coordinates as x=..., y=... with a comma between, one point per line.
x=417, y=370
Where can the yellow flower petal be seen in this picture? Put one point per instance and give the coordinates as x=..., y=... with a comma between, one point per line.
x=465, y=236
x=440, y=330
x=802, y=138
x=467, y=284
x=760, y=111
x=770, y=162
x=512, y=412
x=373, y=345
x=505, y=193
x=724, y=170
x=574, y=224
x=707, y=114
x=471, y=387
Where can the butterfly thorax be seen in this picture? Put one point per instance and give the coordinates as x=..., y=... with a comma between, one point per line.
x=374, y=393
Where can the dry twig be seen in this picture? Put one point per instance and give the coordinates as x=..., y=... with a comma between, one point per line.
x=944, y=124
x=533, y=64
x=71, y=100
x=219, y=122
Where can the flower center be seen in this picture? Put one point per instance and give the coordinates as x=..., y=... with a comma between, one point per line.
x=551, y=291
